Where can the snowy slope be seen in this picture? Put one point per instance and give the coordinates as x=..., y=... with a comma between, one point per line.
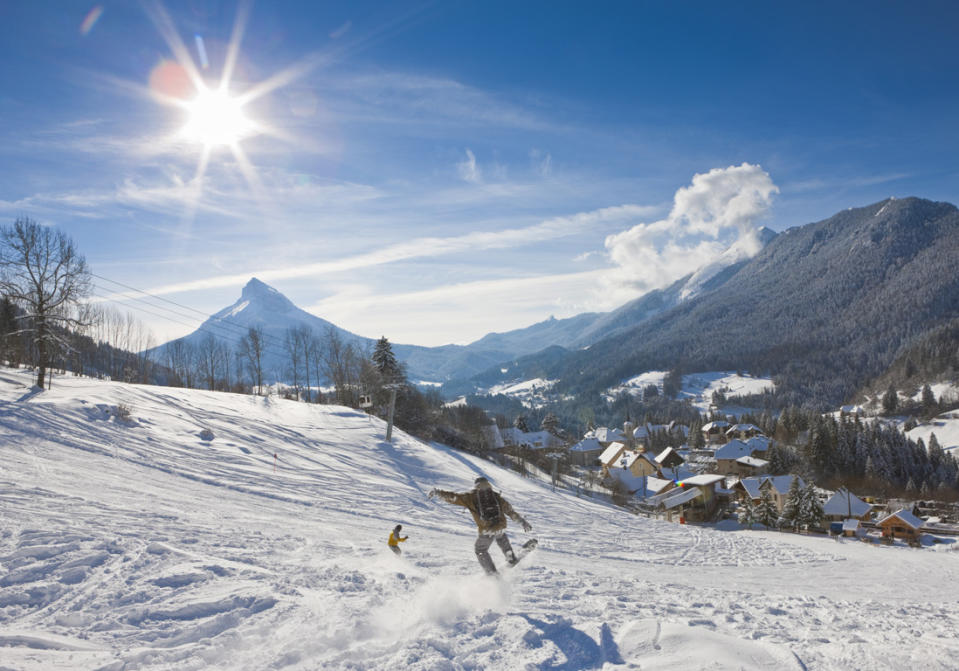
x=169, y=542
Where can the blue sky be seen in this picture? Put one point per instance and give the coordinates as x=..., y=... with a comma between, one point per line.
x=433, y=172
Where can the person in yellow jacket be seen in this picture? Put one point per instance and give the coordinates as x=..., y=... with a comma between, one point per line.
x=396, y=539
x=489, y=510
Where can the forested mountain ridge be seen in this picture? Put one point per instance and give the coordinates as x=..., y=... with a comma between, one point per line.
x=824, y=308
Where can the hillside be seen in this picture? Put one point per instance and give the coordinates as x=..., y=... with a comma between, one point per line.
x=168, y=541
x=824, y=308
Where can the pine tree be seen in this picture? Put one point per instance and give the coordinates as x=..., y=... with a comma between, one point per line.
x=929, y=404
x=747, y=515
x=765, y=512
x=791, y=510
x=811, y=514
x=890, y=401
x=550, y=424
x=385, y=361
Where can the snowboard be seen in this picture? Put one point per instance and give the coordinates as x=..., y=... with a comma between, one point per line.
x=524, y=550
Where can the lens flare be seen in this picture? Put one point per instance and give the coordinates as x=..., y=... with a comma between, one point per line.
x=90, y=20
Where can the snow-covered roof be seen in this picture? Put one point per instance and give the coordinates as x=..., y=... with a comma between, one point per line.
x=535, y=439
x=665, y=454
x=587, y=445
x=741, y=428
x=759, y=443
x=703, y=480
x=654, y=486
x=681, y=497
x=493, y=434
x=850, y=524
x=755, y=462
x=611, y=452
x=735, y=449
x=607, y=435
x=780, y=483
x=905, y=516
x=718, y=424
x=845, y=503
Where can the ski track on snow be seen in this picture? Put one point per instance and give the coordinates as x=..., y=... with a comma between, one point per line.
x=142, y=545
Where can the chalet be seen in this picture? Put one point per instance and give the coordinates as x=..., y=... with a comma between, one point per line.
x=693, y=500
x=611, y=454
x=714, y=433
x=750, y=466
x=751, y=489
x=669, y=458
x=901, y=524
x=727, y=455
x=586, y=452
x=494, y=436
x=534, y=440
x=852, y=527
x=607, y=437
x=845, y=505
x=743, y=431
x=653, y=488
x=632, y=469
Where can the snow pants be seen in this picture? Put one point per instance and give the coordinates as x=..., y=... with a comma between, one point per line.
x=483, y=542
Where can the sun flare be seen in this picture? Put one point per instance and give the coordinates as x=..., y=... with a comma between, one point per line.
x=214, y=118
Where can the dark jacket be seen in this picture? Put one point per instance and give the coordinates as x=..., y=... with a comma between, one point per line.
x=470, y=501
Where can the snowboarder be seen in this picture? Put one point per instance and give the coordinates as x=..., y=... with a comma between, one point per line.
x=489, y=510
x=396, y=539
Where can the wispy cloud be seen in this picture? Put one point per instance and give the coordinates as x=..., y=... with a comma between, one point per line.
x=819, y=183
x=427, y=247
x=468, y=170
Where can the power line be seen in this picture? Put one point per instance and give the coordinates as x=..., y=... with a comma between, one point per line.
x=221, y=323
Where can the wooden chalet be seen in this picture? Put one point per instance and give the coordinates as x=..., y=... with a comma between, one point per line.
x=903, y=525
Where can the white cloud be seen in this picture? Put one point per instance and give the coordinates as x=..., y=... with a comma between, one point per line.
x=720, y=208
x=468, y=170
x=470, y=309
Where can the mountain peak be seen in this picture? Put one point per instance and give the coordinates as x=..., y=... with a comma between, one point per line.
x=255, y=289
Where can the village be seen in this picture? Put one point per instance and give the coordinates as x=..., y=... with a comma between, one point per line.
x=727, y=478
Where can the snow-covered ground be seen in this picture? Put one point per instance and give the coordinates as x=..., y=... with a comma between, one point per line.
x=700, y=387
x=169, y=542
x=946, y=428
x=636, y=386
x=529, y=392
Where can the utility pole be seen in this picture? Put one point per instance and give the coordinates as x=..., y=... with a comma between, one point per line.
x=389, y=421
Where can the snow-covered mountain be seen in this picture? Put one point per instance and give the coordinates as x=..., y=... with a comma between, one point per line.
x=263, y=306
x=219, y=531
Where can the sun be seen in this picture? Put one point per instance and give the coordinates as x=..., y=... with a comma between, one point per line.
x=215, y=118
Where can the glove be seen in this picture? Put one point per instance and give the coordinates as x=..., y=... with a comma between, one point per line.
x=527, y=526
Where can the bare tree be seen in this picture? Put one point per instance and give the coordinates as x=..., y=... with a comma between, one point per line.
x=177, y=355
x=293, y=344
x=343, y=366
x=42, y=272
x=251, y=351
x=211, y=356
